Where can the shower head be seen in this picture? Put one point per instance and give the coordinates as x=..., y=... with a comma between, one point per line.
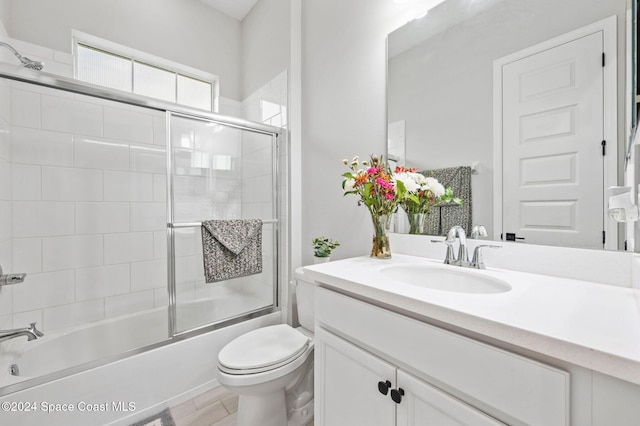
x=26, y=62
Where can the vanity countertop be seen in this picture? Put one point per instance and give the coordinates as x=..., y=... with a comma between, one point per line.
x=592, y=325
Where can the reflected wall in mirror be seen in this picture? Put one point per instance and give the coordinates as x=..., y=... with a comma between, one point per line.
x=473, y=77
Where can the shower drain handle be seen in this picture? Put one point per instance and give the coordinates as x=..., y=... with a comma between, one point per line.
x=14, y=370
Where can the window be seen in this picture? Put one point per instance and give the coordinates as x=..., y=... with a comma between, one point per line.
x=112, y=65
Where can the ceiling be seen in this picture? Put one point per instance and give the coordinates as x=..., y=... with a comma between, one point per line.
x=237, y=9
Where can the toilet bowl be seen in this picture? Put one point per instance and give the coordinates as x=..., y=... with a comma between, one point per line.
x=271, y=369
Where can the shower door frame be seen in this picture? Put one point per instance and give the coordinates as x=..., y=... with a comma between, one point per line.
x=172, y=225
x=44, y=79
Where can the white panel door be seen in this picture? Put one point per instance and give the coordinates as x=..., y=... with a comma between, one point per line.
x=553, y=164
x=423, y=404
x=346, y=384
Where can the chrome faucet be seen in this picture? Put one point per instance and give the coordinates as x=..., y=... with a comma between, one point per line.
x=463, y=257
x=31, y=332
x=478, y=262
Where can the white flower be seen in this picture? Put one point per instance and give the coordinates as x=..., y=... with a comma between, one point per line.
x=434, y=186
x=349, y=185
x=408, y=180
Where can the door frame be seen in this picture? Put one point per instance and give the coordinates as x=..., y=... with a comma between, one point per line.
x=608, y=27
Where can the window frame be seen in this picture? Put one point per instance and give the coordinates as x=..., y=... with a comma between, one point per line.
x=134, y=55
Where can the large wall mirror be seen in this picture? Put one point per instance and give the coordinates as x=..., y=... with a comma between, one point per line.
x=516, y=93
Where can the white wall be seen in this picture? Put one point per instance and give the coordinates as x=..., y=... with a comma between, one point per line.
x=186, y=31
x=343, y=110
x=265, y=44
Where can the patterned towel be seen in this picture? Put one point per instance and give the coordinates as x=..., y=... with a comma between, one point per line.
x=231, y=248
x=445, y=216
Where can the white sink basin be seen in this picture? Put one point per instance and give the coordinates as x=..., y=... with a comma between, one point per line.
x=454, y=279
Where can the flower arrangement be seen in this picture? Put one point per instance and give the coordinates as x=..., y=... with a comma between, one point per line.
x=374, y=184
x=422, y=193
x=372, y=181
x=322, y=246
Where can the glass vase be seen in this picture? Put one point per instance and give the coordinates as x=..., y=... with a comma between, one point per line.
x=416, y=222
x=380, y=248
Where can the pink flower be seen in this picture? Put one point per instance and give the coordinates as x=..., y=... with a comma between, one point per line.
x=388, y=196
x=383, y=183
x=372, y=170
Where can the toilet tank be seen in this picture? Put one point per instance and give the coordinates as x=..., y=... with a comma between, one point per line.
x=305, y=298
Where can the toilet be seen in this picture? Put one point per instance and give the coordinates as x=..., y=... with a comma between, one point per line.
x=271, y=368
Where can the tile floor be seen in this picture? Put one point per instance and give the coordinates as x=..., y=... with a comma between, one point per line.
x=217, y=407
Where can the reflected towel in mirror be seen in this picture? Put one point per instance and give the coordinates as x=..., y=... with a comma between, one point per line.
x=445, y=216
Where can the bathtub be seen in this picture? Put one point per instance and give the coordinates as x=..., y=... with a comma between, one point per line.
x=108, y=338
x=123, y=391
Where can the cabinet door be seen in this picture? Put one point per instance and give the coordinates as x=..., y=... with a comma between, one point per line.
x=425, y=405
x=346, y=384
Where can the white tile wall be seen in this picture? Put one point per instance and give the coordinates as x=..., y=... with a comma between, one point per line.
x=148, y=216
x=148, y=275
x=72, y=252
x=80, y=176
x=127, y=125
x=102, y=218
x=27, y=255
x=44, y=290
x=40, y=147
x=6, y=183
x=102, y=281
x=42, y=219
x=70, y=116
x=98, y=153
x=71, y=184
x=73, y=314
x=25, y=109
x=5, y=229
x=128, y=186
x=129, y=303
x=26, y=182
x=130, y=247
x=148, y=158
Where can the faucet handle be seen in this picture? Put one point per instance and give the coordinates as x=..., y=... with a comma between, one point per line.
x=34, y=330
x=477, y=261
x=478, y=231
x=450, y=257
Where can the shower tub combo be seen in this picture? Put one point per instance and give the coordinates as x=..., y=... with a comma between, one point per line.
x=109, y=193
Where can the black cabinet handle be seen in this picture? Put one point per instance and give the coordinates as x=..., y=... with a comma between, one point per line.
x=396, y=395
x=383, y=387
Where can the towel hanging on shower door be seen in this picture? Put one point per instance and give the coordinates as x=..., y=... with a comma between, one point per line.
x=231, y=248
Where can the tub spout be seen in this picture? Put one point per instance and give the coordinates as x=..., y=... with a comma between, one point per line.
x=31, y=332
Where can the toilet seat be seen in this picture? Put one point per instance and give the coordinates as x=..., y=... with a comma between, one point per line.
x=261, y=350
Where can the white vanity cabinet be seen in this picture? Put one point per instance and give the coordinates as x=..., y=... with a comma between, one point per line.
x=355, y=387
x=439, y=378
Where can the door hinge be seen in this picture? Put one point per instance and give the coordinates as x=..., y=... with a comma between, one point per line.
x=604, y=148
x=603, y=60
x=604, y=237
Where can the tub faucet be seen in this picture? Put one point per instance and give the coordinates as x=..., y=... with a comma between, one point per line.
x=463, y=256
x=31, y=332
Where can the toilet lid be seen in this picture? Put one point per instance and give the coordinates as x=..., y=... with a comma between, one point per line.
x=263, y=347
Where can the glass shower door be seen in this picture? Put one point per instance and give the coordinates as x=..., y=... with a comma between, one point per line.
x=219, y=172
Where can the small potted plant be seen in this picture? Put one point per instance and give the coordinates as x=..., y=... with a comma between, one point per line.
x=322, y=249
